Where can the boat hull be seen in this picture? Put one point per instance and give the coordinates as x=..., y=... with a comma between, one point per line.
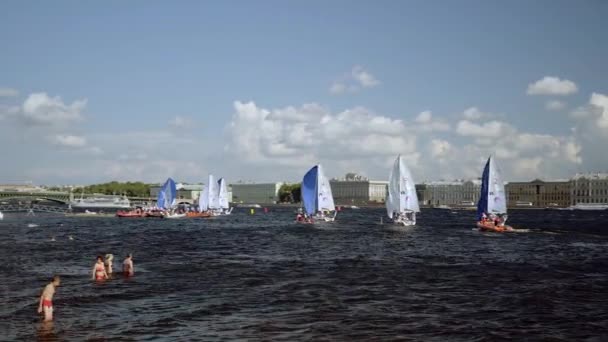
x=154, y=215
x=405, y=223
x=129, y=214
x=174, y=216
x=490, y=227
x=195, y=215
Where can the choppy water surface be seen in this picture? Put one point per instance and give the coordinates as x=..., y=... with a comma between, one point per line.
x=263, y=277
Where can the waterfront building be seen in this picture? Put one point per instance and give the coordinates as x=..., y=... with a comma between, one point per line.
x=255, y=193
x=186, y=193
x=358, y=191
x=538, y=193
x=589, y=188
x=455, y=193
x=21, y=187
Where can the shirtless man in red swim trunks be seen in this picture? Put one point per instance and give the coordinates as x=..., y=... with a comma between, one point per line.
x=46, y=299
x=127, y=266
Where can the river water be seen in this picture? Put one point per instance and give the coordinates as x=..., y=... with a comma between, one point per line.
x=264, y=277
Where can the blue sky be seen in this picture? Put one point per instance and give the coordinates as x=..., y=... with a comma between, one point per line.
x=140, y=65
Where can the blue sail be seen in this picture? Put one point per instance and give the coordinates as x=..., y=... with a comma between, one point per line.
x=160, y=200
x=482, y=205
x=309, y=190
x=167, y=194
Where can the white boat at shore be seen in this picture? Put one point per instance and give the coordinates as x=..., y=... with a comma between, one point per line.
x=102, y=201
x=588, y=206
x=443, y=207
x=248, y=205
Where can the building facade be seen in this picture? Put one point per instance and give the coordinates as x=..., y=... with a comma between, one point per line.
x=457, y=193
x=538, y=193
x=361, y=191
x=589, y=188
x=255, y=193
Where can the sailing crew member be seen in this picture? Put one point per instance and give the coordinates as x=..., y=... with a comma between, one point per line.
x=99, y=269
x=127, y=266
x=46, y=299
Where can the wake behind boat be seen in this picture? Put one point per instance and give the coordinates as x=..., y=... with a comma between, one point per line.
x=492, y=205
x=401, y=201
x=317, y=198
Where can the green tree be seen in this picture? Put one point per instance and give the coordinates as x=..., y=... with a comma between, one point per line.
x=131, y=189
x=289, y=193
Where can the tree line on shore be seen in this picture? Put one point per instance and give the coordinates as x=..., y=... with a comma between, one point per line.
x=288, y=193
x=131, y=189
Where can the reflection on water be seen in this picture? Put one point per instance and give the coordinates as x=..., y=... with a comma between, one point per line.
x=46, y=332
x=262, y=276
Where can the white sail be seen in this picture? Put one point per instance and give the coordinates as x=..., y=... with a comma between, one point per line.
x=497, y=202
x=203, y=200
x=223, y=194
x=392, y=197
x=214, y=201
x=325, y=199
x=401, y=190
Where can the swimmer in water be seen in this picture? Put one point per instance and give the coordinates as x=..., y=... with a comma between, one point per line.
x=109, y=260
x=127, y=266
x=99, y=270
x=46, y=299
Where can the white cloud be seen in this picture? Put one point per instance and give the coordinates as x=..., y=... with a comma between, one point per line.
x=8, y=92
x=600, y=102
x=356, y=139
x=365, y=78
x=299, y=136
x=180, y=122
x=550, y=85
x=594, y=116
x=40, y=109
x=491, y=129
x=440, y=148
x=473, y=113
x=555, y=105
x=425, y=122
x=424, y=117
x=354, y=81
x=72, y=141
x=526, y=167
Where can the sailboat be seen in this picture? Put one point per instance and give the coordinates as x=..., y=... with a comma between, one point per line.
x=402, y=201
x=224, y=205
x=166, y=199
x=492, y=205
x=317, y=197
x=209, y=199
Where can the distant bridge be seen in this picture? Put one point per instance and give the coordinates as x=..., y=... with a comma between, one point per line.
x=57, y=196
x=31, y=208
